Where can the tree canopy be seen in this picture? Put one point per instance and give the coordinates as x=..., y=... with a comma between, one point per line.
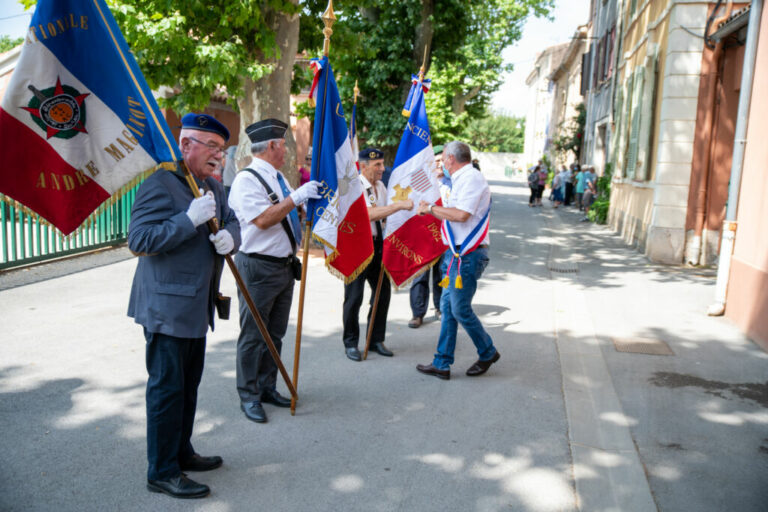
x=381, y=42
x=8, y=43
x=496, y=133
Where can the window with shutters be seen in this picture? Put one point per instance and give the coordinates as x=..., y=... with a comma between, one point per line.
x=619, y=115
x=585, y=59
x=634, y=134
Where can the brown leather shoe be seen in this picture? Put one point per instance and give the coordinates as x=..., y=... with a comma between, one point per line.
x=428, y=369
x=480, y=367
x=415, y=322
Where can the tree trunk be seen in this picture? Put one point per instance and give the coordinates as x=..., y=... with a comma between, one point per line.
x=270, y=96
x=460, y=100
x=424, y=32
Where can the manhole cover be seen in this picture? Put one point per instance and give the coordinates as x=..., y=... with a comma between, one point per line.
x=649, y=346
x=563, y=266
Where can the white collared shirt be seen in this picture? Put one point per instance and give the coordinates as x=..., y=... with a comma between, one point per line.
x=375, y=196
x=248, y=199
x=469, y=193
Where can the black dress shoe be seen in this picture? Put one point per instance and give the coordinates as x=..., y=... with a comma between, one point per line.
x=200, y=463
x=179, y=487
x=353, y=354
x=428, y=369
x=254, y=411
x=379, y=348
x=275, y=398
x=480, y=367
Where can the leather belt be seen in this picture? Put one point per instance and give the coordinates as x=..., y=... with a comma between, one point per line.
x=274, y=259
x=481, y=246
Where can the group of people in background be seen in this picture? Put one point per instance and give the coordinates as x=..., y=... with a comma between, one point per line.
x=572, y=185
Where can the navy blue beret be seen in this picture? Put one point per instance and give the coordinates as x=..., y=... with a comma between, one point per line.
x=204, y=123
x=370, y=154
x=267, y=129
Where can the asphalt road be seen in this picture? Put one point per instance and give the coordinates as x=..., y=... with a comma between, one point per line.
x=562, y=422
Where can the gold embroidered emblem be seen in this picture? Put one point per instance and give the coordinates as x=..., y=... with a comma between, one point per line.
x=401, y=194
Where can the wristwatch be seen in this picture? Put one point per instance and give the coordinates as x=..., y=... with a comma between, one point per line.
x=430, y=209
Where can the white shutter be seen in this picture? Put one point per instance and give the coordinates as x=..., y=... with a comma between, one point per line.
x=634, y=135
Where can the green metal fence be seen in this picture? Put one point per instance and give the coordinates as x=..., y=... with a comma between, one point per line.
x=27, y=239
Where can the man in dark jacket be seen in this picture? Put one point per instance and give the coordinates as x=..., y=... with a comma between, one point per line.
x=173, y=293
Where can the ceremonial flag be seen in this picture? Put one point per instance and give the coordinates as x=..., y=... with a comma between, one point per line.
x=340, y=217
x=413, y=242
x=78, y=122
x=410, y=102
x=353, y=135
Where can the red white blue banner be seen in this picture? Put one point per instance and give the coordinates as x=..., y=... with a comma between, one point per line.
x=424, y=84
x=340, y=217
x=413, y=242
x=78, y=122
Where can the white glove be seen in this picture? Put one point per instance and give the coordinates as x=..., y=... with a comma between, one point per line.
x=306, y=191
x=202, y=209
x=222, y=241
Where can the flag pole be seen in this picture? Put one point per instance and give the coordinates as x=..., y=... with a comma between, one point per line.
x=328, y=20
x=374, y=308
x=381, y=267
x=213, y=225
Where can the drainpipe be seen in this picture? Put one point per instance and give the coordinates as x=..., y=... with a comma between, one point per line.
x=702, y=195
x=739, y=143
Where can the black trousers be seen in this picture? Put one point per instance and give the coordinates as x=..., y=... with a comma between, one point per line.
x=568, y=193
x=353, y=299
x=420, y=291
x=175, y=366
x=270, y=285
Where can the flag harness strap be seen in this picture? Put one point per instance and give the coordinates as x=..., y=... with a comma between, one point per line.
x=465, y=248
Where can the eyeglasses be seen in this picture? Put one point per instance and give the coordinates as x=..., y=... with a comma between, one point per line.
x=210, y=145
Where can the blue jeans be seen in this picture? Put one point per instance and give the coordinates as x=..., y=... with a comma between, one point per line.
x=456, y=306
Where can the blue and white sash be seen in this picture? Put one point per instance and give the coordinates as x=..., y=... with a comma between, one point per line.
x=470, y=243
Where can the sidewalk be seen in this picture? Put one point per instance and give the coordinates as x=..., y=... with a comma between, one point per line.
x=562, y=422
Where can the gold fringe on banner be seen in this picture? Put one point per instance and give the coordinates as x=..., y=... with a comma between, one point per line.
x=329, y=259
x=410, y=280
x=88, y=222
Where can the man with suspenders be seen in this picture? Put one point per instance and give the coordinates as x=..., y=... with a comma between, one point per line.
x=267, y=209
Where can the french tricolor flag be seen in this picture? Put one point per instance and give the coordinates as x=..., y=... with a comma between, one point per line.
x=413, y=242
x=340, y=217
x=78, y=122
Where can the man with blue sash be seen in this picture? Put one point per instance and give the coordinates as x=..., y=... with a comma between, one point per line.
x=465, y=220
x=173, y=295
x=267, y=209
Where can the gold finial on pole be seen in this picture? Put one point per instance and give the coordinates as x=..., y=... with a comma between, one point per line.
x=357, y=91
x=328, y=20
x=423, y=64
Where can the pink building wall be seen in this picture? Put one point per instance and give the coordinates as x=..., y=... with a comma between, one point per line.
x=747, y=301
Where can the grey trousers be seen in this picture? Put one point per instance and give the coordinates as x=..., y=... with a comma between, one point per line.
x=271, y=287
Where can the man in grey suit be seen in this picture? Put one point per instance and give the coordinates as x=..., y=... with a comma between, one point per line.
x=173, y=295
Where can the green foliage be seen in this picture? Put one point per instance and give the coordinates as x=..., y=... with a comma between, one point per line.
x=572, y=137
x=496, y=133
x=604, y=182
x=6, y=43
x=598, y=212
x=200, y=48
x=374, y=42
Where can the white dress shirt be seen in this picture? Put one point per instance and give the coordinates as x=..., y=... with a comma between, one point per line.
x=248, y=199
x=469, y=193
x=375, y=195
